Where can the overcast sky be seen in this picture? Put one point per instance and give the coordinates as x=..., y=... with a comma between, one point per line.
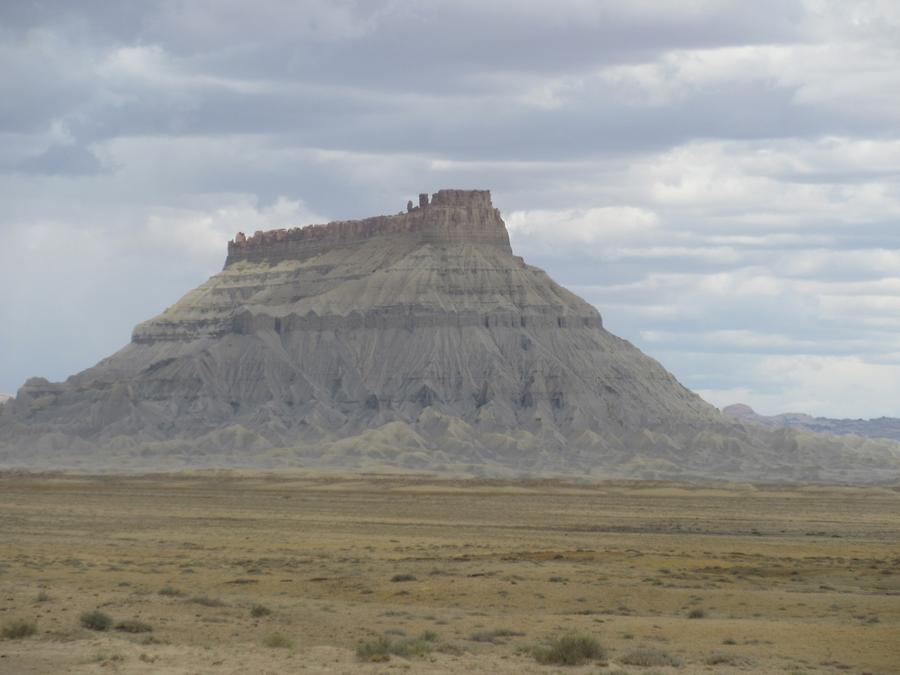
x=721, y=179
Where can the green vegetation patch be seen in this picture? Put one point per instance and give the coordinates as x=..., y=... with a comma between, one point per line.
x=206, y=601
x=18, y=629
x=397, y=578
x=382, y=648
x=278, y=641
x=571, y=649
x=96, y=620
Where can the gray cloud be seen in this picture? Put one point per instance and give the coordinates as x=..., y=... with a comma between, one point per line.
x=62, y=159
x=720, y=178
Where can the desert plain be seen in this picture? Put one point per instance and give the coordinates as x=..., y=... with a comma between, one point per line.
x=233, y=572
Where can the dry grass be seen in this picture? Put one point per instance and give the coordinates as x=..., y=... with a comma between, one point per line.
x=646, y=657
x=18, y=629
x=571, y=649
x=382, y=648
x=397, y=578
x=259, y=611
x=278, y=641
x=723, y=659
x=786, y=580
x=133, y=626
x=497, y=636
x=206, y=601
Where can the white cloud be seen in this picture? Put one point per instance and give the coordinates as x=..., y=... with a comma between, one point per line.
x=831, y=386
x=833, y=70
x=823, y=263
x=213, y=22
x=151, y=66
x=602, y=229
x=764, y=184
x=736, y=340
x=201, y=233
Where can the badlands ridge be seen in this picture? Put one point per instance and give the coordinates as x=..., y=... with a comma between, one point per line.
x=417, y=340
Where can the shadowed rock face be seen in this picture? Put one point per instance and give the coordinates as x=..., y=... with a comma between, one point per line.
x=417, y=339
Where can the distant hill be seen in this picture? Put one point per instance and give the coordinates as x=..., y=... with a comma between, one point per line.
x=881, y=427
x=4, y=398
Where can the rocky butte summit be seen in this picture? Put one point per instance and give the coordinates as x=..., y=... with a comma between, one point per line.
x=416, y=340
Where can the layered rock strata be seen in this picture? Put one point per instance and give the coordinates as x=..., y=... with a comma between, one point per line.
x=415, y=340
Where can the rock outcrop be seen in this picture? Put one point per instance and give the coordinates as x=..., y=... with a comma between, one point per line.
x=415, y=340
x=4, y=398
x=879, y=427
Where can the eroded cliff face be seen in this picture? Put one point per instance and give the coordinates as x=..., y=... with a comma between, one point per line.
x=417, y=339
x=449, y=217
x=444, y=264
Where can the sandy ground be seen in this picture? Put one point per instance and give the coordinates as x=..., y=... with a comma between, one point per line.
x=787, y=580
